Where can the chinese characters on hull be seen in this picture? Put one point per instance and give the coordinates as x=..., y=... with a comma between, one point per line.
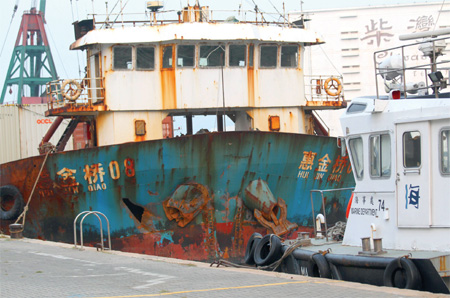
x=306, y=167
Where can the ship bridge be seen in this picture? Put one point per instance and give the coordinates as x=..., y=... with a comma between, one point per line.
x=140, y=76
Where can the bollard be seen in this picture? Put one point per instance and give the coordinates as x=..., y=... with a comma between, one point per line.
x=365, y=244
x=15, y=231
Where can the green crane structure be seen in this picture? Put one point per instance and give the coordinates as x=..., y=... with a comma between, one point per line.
x=31, y=62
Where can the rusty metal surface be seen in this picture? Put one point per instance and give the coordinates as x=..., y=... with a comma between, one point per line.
x=182, y=197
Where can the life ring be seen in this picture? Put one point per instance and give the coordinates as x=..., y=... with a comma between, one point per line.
x=413, y=278
x=70, y=94
x=268, y=250
x=329, y=87
x=318, y=266
x=250, y=249
x=10, y=193
x=349, y=206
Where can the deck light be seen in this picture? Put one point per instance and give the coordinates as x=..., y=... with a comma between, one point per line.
x=435, y=76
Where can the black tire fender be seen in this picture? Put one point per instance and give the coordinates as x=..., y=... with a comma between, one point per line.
x=268, y=250
x=318, y=266
x=11, y=192
x=290, y=265
x=255, y=238
x=413, y=277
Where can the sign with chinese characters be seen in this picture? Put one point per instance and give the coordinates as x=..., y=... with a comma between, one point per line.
x=412, y=196
x=367, y=206
x=323, y=163
x=95, y=174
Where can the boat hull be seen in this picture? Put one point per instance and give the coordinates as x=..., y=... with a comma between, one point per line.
x=195, y=197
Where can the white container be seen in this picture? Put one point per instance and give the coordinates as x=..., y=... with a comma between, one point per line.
x=22, y=128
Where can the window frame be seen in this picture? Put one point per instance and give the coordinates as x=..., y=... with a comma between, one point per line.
x=296, y=56
x=260, y=55
x=114, y=58
x=194, y=56
x=359, y=176
x=222, y=45
x=382, y=153
x=154, y=57
x=404, y=152
x=162, y=48
x=245, y=56
x=441, y=151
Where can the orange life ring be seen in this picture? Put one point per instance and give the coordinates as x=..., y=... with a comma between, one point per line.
x=72, y=93
x=328, y=87
x=349, y=206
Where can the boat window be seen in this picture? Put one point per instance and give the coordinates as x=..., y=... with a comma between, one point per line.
x=237, y=55
x=268, y=56
x=380, y=155
x=411, y=149
x=356, y=151
x=251, y=51
x=356, y=108
x=123, y=58
x=212, y=56
x=445, y=151
x=145, y=58
x=289, y=56
x=167, y=57
x=186, y=55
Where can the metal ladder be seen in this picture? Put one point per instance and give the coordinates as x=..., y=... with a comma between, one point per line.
x=87, y=213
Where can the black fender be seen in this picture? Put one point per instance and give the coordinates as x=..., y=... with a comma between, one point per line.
x=413, y=277
x=10, y=192
x=268, y=250
x=255, y=238
x=318, y=266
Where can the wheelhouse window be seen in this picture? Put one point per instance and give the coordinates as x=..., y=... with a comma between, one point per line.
x=411, y=149
x=356, y=108
x=237, y=55
x=380, y=155
x=289, y=56
x=268, y=56
x=145, y=58
x=212, y=56
x=445, y=151
x=356, y=150
x=123, y=57
x=185, y=56
x=167, y=57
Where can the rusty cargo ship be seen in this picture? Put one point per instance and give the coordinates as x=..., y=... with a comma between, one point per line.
x=197, y=196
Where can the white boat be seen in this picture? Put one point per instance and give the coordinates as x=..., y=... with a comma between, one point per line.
x=398, y=228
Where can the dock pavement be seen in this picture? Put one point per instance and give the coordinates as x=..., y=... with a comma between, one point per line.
x=35, y=268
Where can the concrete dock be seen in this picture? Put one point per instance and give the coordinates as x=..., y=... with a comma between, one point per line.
x=34, y=268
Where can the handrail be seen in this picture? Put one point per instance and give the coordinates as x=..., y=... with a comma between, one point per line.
x=87, y=213
x=323, y=206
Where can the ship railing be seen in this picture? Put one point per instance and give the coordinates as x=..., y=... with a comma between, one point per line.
x=75, y=92
x=420, y=68
x=321, y=192
x=86, y=214
x=195, y=14
x=324, y=91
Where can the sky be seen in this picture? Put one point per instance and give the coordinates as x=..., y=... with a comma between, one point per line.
x=60, y=14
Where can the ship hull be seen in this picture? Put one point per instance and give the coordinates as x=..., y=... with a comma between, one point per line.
x=195, y=197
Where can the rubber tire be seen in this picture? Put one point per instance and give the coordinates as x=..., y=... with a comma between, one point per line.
x=17, y=208
x=318, y=267
x=413, y=278
x=268, y=250
x=255, y=238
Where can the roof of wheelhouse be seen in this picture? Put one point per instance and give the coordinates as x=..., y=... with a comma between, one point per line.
x=197, y=31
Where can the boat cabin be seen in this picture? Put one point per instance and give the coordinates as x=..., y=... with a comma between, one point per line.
x=140, y=76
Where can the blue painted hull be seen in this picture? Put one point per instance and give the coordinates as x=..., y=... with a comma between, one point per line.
x=190, y=197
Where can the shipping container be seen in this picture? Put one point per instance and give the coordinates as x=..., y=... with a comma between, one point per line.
x=22, y=128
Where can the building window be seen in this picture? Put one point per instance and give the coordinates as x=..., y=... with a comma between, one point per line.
x=268, y=56
x=145, y=58
x=251, y=53
x=411, y=149
x=445, y=151
x=167, y=57
x=356, y=150
x=123, y=57
x=186, y=56
x=289, y=56
x=212, y=56
x=237, y=55
x=139, y=128
x=380, y=155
